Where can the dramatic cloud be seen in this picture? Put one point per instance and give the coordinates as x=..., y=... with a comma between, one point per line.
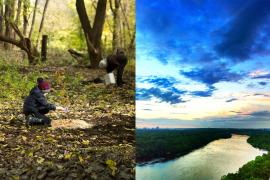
x=231, y=100
x=212, y=75
x=263, y=76
x=246, y=34
x=259, y=94
x=163, y=89
x=160, y=55
x=164, y=96
x=260, y=114
x=161, y=81
x=263, y=83
x=206, y=93
x=204, y=52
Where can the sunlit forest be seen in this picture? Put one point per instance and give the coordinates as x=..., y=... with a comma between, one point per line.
x=58, y=46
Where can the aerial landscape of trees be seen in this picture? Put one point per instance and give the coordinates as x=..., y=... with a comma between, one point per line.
x=63, y=42
x=154, y=145
x=164, y=144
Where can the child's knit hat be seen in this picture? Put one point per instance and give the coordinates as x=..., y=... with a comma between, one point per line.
x=43, y=85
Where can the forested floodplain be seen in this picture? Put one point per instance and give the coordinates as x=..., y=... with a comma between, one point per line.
x=165, y=144
x=168, y=144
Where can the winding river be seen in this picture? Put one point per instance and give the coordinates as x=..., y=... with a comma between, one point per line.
x=210, y=162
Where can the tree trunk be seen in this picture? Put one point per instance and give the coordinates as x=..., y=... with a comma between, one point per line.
x=123, y=35
x=1, y=16
x=26, y=4
x=24, y=43
x=12, y=15
x=44, y=48
x=97, y=31
x=8, y=17
x=33, y=19
x=80, y=6
x=42, y=21
x=132, y=35
x=17, y=20
x=116, y=24
x=92, y=35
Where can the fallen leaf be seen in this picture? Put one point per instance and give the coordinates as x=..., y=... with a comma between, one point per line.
x=24, y=138
x=40, y=160
x=112, y=165
x=85, y=142
x=30, y=154
x=67, y=156
x=81, y=159
x=15, y=178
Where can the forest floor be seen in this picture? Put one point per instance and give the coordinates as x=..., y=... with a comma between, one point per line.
x=104, y=150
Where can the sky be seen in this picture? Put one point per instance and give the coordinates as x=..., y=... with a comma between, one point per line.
x=203, y=64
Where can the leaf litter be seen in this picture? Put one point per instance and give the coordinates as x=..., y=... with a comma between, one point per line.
x=94, y=140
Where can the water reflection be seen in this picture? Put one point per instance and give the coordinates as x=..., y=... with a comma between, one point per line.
x=208, y=163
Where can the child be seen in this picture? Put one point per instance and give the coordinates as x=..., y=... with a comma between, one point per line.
x=36, y=106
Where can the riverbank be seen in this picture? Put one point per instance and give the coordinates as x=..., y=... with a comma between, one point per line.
x=258, y=168
x=219, y=157
x=159, y=145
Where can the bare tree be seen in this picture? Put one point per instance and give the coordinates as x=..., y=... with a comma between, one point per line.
x=1, y=16
x=125, y=8
x=92, y=34
x=42, y=20
x=9, y=17
x=23, y=43
x=33, y=19
x=116, y=24
x=18, y=15
x=26, y=4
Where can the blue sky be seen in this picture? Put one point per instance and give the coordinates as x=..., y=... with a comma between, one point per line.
x=203, y=64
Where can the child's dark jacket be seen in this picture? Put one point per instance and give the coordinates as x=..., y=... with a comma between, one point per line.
x=36, y=101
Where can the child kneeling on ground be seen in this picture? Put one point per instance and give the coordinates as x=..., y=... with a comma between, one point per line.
x=36, y=106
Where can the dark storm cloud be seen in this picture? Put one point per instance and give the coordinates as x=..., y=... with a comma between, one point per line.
x=243, y=37
x=212, y=75
x=164, y=96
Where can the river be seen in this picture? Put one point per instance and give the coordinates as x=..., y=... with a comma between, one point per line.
x=210, y=162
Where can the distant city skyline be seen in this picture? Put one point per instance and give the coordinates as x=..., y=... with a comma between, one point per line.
x=203, y=64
